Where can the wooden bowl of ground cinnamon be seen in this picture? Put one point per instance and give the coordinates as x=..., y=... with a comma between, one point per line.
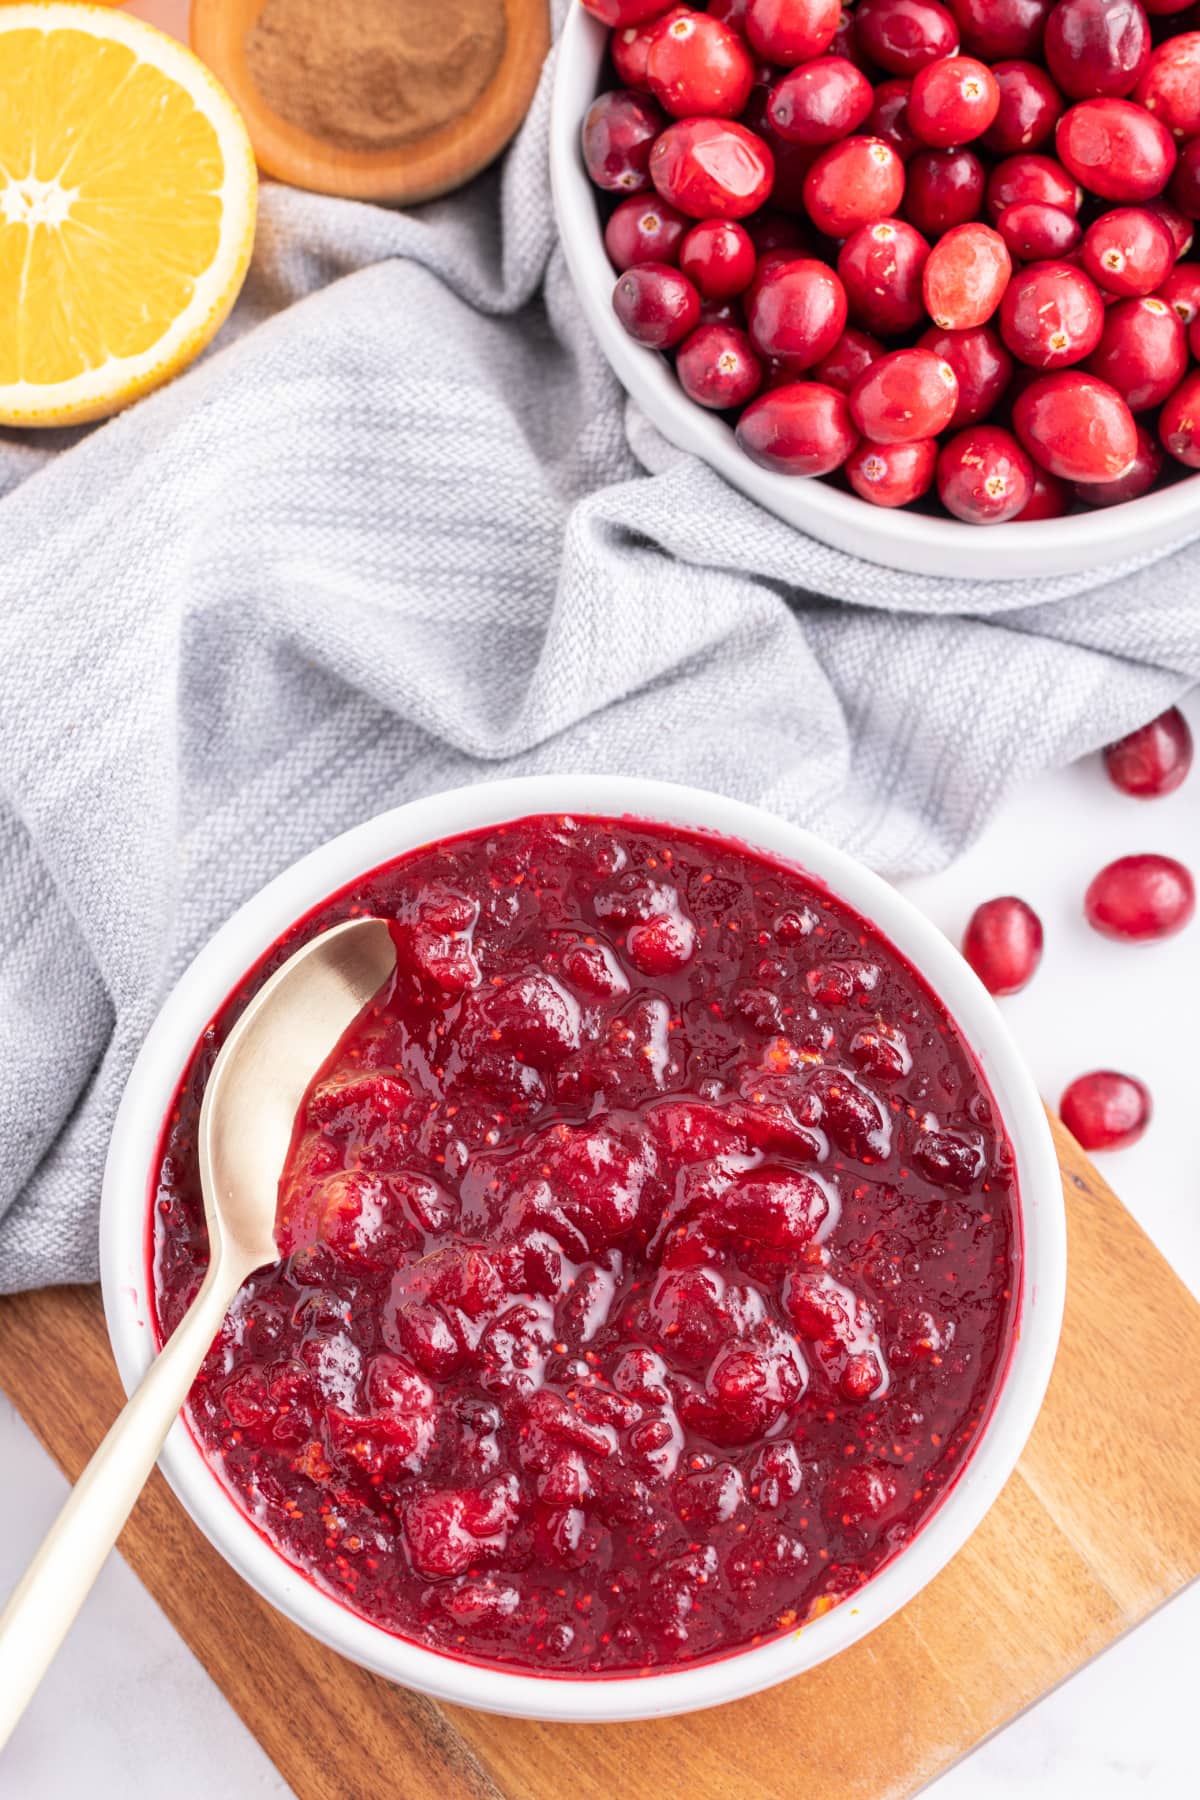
x=396, y=100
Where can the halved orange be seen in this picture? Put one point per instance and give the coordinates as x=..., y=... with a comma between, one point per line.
x=127, y=203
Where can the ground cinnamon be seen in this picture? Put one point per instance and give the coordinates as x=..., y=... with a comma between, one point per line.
x=374, y=74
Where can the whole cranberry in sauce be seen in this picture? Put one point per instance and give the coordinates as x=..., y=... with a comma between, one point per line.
x=1003, y=944
x=1105, y=1110
x=1140, y=897
x=1153, y=760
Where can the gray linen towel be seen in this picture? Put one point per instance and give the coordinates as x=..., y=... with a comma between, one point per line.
x=400, y=530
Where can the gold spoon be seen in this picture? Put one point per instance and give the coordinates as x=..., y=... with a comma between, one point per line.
x=250, y=1103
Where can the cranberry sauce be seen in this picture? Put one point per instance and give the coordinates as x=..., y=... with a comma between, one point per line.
x=651, y=1250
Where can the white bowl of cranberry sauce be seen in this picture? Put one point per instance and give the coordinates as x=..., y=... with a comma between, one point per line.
x=937, y=256
x=675, y=1254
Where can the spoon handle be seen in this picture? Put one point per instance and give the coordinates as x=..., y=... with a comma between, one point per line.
x=43, y=1606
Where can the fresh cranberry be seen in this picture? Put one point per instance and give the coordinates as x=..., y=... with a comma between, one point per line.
x=1097, y=47
x=1116, y=149
x=788, y=32
x=906, y=395
x=965, y=277
x=644, y=230
x=1003, y=941
x=730, y=12
x=1178, y=224
x=1051, y=315
x=1163, y=9
x=801, y=429
x=624, y=12
x=629, y=47
x=1154, y=759
x=880, y=266
x=698, y=65
x=1170, y=86
x=995, y=29
x=1142, y=352
x=1141, y=475
x=618, y=134
x=656, y=304
x=1179, y=420
x=1185, y=182
x=1050, y=499
x=983, y=476
x=1105, y=1110
x=711, y=168
x=1075, y=426
x=980, y=362
x=1035, y=232
x=892, y=474
x=901, y=36
x=717, y=367
x=854, y=351
x=723, y=312
x=1128, y=251
x=953, y=101
x=1031, y=176
x=943, y=188
x=851, y=183
x=771, y=230
x=1181, y=290
x=1030, y=107
x=820, y=102
x=889, y=118
x=718, y=257
x=1140, y=897
x=797, y=312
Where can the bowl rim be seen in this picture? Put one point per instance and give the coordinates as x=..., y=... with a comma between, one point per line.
x=893, y=537
x=234, y=949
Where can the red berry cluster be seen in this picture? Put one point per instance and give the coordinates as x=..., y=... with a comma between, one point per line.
x=1138, y=898
x=928, y=246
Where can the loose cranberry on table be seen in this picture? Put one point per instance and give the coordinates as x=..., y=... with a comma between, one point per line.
x=697, y=65
x=901, y=36
x=1096, y=47
x=656, y=304
x=644, y=229
x=1075, y=426
x=888, y=118
x=965, y=277
x=892, y=474
x=1170, y=86
x=996, y=29
x=1031, y=176
x=904, y=396
x=953, y=101
x=1140, y=898
x=1035, y=232
x=711, y=168
x=942, y=189
x=718, y=368
x=1141, y=475
x=1153, y=760
x=613, y=1222
x=983, y=476
x=881, y=267
x=1030, y=107
x=1179, y=421
x=854, y=351
x=1116, y=149
x=618, y=134
x=788, y=32
x=797, y=312
x=852, y=182
x=982, y=365
x=1051, y=315
x=1105, y=1110
x=1003, y=944
x=800, y=428
x=719, y=257
x=1142, y=353
x=1128, y=251
x=820, y=102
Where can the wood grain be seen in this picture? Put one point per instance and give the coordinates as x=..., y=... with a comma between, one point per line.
x=1100, y=1524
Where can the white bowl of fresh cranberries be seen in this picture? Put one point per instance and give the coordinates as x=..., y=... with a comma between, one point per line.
x=936, y=257
x=676, y=1267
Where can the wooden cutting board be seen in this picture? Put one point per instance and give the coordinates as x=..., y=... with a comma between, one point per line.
x=1099, y=1525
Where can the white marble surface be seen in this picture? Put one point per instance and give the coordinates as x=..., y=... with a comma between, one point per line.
x=129, y=1707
